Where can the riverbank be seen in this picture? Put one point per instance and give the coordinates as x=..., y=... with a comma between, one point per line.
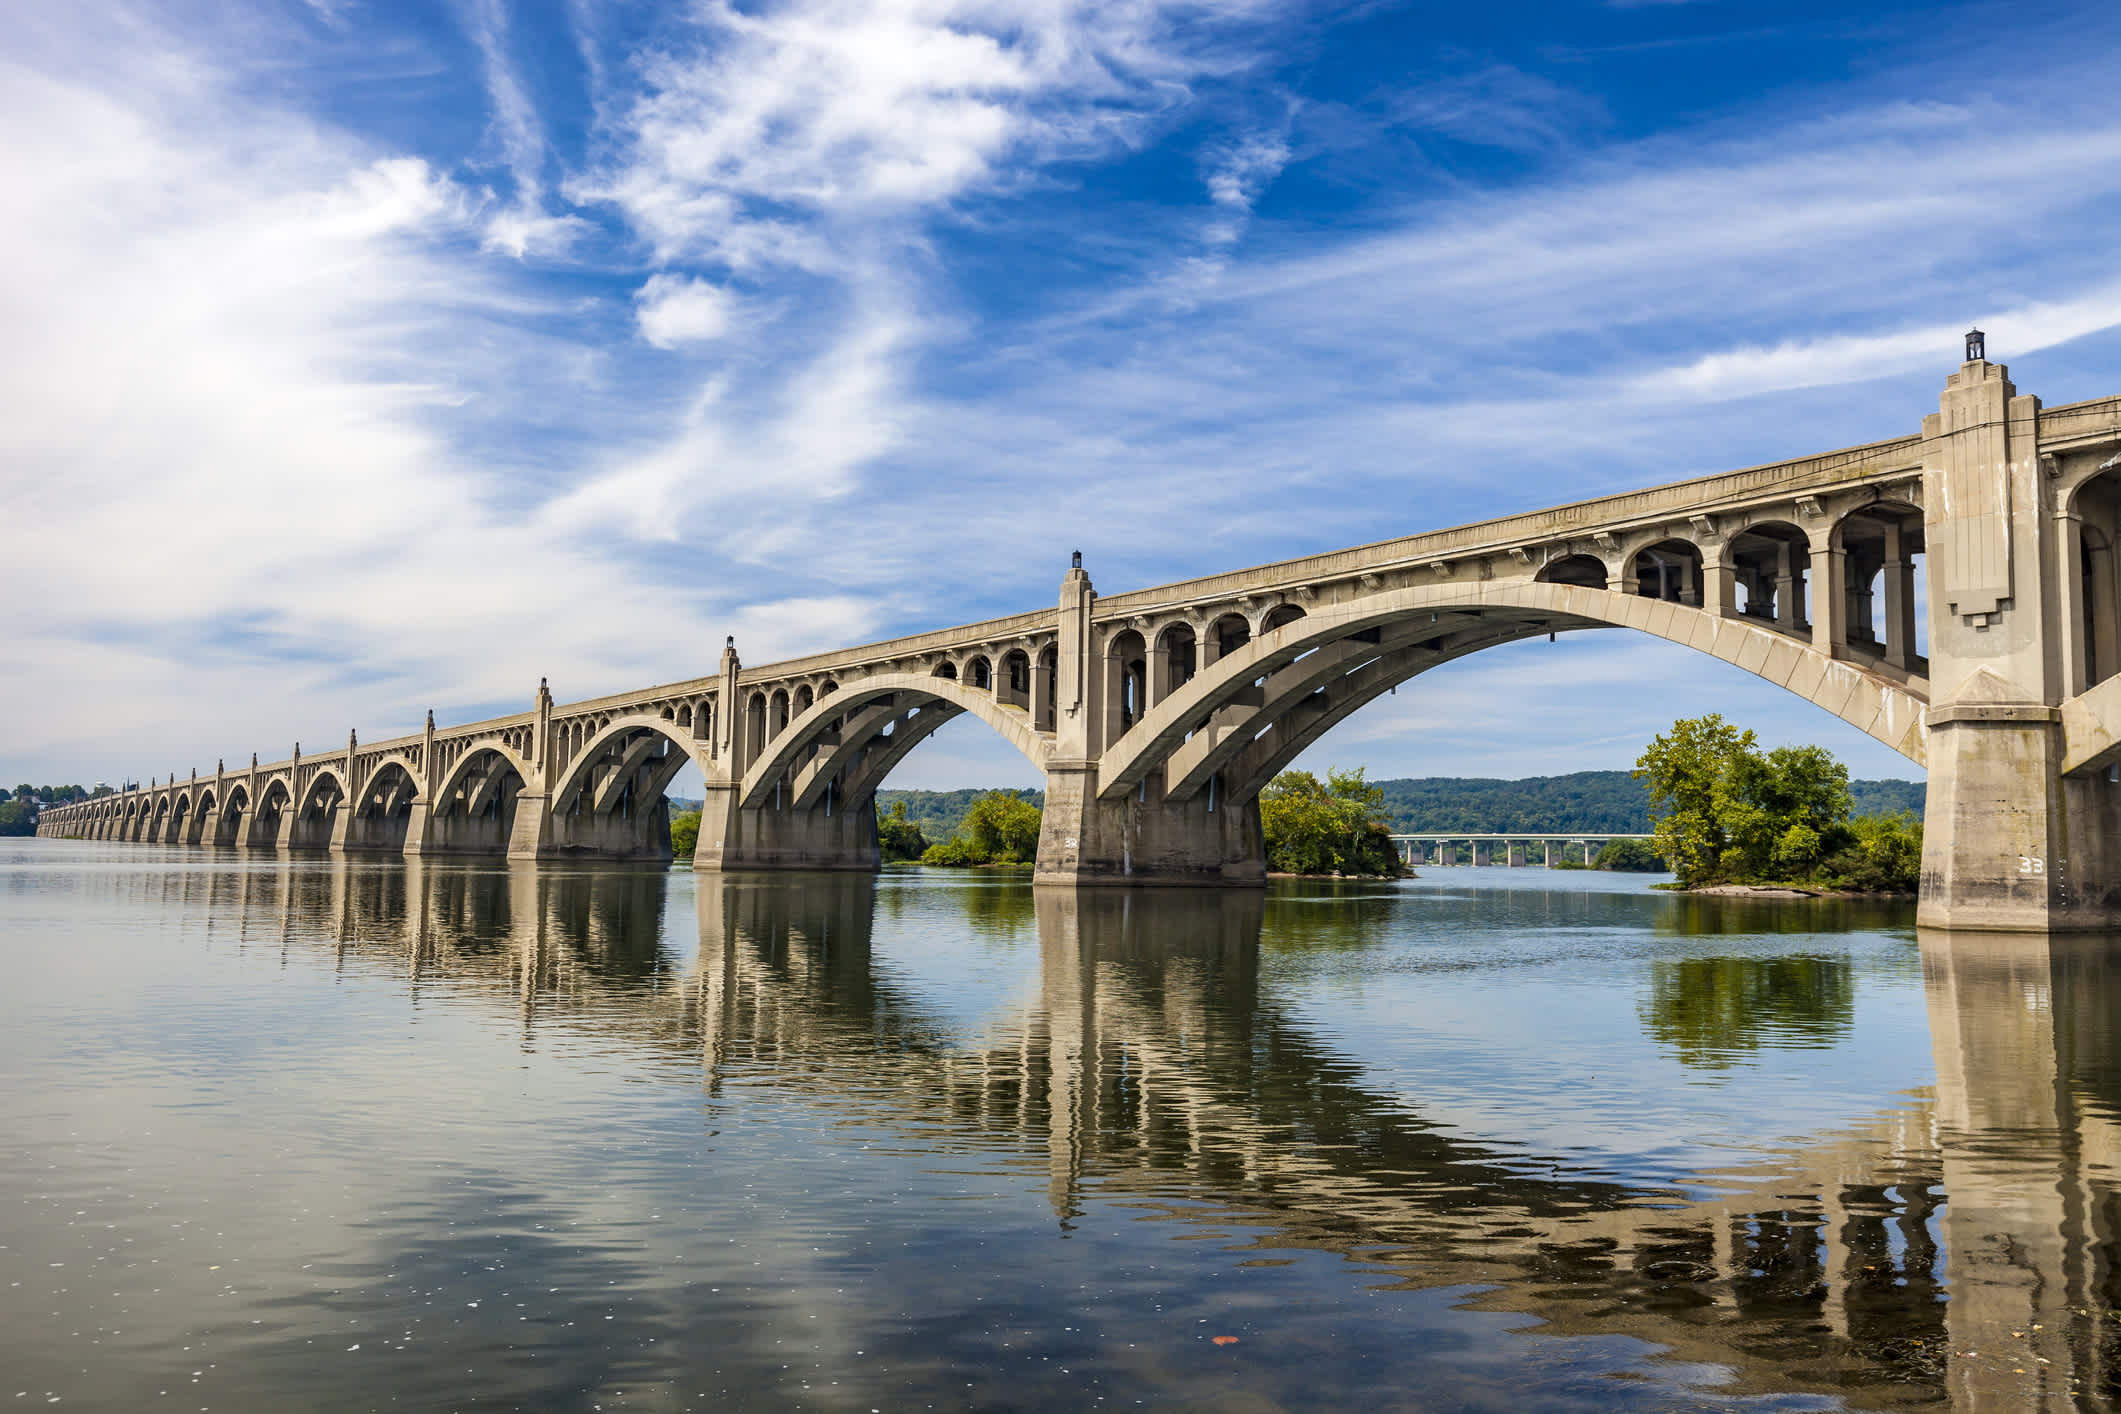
x=1781, y=891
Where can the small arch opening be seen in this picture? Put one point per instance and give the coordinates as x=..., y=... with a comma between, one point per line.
x=1770, y=563
x=1279, y=615
x=1668, y=571
x=1127, y=680
x=1583, y=571
x=1179, y=651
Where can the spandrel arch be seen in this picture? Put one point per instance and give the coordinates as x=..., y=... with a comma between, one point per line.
x=1266, y=677
x=839, y=726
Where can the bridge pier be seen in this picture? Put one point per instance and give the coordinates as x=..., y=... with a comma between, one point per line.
x=2013, y=839
x=819, y=837
x=1144, y=838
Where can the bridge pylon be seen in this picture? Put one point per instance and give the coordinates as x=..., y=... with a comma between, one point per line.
x=2017, y=836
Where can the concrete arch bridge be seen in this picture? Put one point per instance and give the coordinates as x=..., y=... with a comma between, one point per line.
x=1157, y=715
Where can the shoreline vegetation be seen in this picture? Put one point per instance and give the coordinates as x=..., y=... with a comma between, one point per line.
x=1731, y=818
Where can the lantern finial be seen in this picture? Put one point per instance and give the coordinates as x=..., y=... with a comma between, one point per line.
x=1975, y=351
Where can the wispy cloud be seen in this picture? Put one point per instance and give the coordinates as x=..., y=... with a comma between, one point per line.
x=523, y=226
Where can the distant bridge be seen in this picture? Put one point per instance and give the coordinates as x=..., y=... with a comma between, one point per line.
x=1157, y=715
x=1516, y=846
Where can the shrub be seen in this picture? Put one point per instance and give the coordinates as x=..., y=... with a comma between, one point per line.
x=1001, y=828
x=1332, y=827
x=898, y=837
x=957, y=851
x=1882, y=855
x=1628, y=856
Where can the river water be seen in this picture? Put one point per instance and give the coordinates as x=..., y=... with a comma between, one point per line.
x=306, y=1133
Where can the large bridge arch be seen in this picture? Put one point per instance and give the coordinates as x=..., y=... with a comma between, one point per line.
x=379, y=814
x=474, y=806
x=843, y=729
x=1235, y=701
x=608, y=799
x=319, y=801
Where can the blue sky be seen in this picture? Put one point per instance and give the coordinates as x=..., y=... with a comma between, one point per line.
x=369, y=357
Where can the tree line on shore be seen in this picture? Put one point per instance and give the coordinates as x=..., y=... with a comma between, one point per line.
x=20, y=807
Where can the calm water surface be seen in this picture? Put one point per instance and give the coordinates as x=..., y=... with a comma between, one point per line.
x=309, y=1133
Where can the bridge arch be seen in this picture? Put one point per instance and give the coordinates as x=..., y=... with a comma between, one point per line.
x=609, y=799
x=474, y=807
x=275, y=800
x=206, y=803
x=234, y=816
x=1585, y=571
x=1339, y=658
x=318, y=804
x=380, y=813
x=892, y=710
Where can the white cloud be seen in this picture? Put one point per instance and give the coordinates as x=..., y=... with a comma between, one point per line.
x=237, y=375
x=1499, y=106
x=673, y=310
x=1240, y=172
x=522, y=227
x=845, y=107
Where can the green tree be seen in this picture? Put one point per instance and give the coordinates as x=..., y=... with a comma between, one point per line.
x=1000, y=828
x=1004, y=827
x=18, y=817
x=1726, y=810
x=1682, y=772
x=898, y=837
x=685, y=834
x=1332, y=827
x=1781, y=812
x=1629, y=856
x=1883, y=854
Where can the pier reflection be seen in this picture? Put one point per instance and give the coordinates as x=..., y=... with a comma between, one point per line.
x=1960, y=1249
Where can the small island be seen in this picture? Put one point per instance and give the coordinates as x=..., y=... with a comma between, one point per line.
x=1733, y=819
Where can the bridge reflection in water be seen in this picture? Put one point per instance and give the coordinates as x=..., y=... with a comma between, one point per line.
x=1961, y=1248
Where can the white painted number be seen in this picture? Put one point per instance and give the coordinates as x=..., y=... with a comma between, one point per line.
x=2029, y=865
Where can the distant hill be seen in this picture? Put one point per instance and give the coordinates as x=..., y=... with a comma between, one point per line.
x=1586, y=802
x=1886, y=797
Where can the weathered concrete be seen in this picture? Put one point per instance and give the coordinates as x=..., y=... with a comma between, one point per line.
x=1158, y=715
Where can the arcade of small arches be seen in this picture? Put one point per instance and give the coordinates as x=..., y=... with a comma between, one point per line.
x=1158, y=715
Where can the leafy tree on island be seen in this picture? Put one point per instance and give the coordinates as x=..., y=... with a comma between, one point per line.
x=899, y=837
x=1334, y=827
x=1727, y=812
x=1001, y=828
x=1629, y=857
